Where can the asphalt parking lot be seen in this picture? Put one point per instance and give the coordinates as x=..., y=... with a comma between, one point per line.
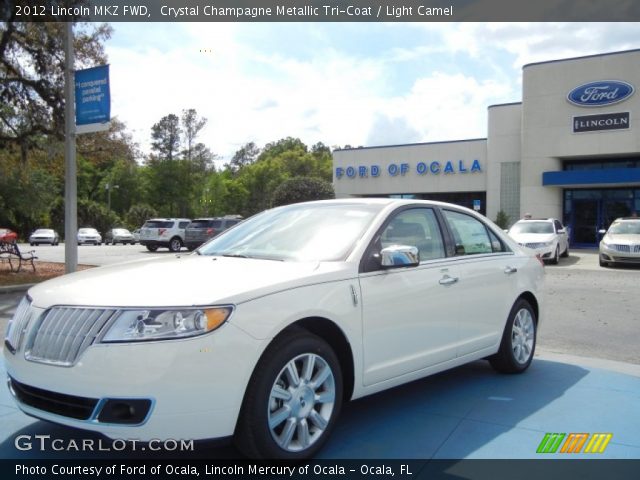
x=586, y=378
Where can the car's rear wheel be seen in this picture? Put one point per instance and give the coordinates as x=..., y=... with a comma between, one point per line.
x=152, y=248
x=293, y=399
x=175, y=244
x=518, y=340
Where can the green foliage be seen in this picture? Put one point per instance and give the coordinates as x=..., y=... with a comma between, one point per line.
x=502, y=220
x=138, y=214
x=302, y=189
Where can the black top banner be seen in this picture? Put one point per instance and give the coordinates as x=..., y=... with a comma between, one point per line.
x=319, y=10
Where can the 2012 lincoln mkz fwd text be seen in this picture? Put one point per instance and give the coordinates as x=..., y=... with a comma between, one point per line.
x=263, y=332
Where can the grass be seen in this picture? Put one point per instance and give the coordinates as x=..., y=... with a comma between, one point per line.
x=44, y=271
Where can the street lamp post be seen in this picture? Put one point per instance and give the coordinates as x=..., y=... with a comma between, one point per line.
x=110, y=187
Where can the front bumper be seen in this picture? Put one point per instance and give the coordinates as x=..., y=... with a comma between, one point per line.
x=620, y=255
x=179, y=389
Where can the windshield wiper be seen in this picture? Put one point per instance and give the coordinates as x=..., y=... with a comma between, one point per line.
x=235, y=255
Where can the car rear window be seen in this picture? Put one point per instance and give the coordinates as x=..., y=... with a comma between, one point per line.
x=158, y=224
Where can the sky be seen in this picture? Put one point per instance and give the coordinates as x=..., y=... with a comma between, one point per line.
x=363, y=84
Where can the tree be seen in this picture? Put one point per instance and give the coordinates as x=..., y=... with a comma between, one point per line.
x=191, y=126
x=165, y=137
x=502, y=220
x=243, y=157
x=32, y=77
x=138, y=214
x=302, y=189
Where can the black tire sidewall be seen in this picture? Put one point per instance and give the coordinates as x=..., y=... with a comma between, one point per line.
x=505, y=360
x=254, y=410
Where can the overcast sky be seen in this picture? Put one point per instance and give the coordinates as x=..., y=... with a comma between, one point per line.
x=359, y=84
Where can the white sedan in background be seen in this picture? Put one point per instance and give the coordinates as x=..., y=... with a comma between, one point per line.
x=275, y=323
x=89, y=235
x=547, y=237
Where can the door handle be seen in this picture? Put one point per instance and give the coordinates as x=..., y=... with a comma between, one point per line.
x=447, y=280
x=510, y=270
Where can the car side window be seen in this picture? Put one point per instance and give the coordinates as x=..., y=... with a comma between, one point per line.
x=183, y=224
x=416, y=227
x=470, y=234
x=558, y=225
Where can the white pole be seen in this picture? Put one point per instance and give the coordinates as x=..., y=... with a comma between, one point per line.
x=71, y=188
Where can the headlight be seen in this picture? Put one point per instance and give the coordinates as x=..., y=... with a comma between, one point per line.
x=165, y=324
x=546, y=244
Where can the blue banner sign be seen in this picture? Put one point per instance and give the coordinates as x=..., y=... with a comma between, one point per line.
x=402, y=169
x=93, y=99
x=598, y=94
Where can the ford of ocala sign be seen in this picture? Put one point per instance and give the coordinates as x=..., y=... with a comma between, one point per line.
x=599, y=94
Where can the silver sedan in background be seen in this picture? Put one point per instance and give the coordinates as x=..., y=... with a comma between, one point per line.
x=44, y=235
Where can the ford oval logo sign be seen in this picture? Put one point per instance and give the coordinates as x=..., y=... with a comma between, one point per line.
x=599, y=94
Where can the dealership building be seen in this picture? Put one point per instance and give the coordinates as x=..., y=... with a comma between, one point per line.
x=570, y=150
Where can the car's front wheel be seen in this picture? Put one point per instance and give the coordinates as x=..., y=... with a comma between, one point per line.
x=175, y=244
x=518, y=340
x=293, y=399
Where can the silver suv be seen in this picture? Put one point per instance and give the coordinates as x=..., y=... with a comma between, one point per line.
x=164, y=232
x=202, y=229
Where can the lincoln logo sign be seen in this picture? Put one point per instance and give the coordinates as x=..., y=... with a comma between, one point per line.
x=599, y=94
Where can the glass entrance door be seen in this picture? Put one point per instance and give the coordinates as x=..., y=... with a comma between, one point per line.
x=585, y=222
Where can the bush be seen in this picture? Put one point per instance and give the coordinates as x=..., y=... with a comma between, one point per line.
x=302, y=189
x=502, y=220
x=138, y=214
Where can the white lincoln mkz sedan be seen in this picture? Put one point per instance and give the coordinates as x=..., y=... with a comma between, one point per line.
x=265, y=330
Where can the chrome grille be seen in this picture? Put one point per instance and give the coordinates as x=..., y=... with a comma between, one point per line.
x=636, y=249
x=64, y=333
x=621, y=248
x=18, y=324
x=535, y=245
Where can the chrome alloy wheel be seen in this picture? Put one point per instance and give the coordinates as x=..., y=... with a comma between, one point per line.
x=523, y=336
x=301, y=402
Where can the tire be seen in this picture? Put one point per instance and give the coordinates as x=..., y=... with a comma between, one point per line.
x=175, y=244
x=518, y=340
x=276, y=427
x=602, y=262
x=556, y=256
x=152, y=248
x=565, y=254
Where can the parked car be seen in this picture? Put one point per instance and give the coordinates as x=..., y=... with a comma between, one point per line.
x=118, y=235
x=548, y=237
x=44, y=235
x=164, y=232
x=621, y=242
x=275, y=323
x=8, y=235
x=201, y=230
x=89, y=235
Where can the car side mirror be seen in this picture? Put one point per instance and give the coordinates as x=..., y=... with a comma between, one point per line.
x=562, y=231
x=602, y=231
x=397, y=256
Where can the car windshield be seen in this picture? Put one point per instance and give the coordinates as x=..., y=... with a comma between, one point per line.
x=87, y=231
x=120, y=231
x=625, y=228
x=42, y=231
x=532, y=227
x=301, y=232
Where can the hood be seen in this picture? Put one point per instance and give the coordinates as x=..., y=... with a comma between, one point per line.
x=623, y=238
x=183, y=281
x=532, y=237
